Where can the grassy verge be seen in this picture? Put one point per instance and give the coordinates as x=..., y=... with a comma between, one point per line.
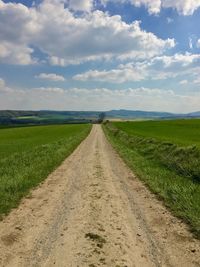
x=37, y=151
x=162, y=166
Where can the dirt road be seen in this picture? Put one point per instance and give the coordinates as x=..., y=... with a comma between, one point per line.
x=92, y=212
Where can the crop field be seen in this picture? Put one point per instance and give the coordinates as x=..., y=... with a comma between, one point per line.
x=181, y=132
x=29, y=154
x=166, y=156
x=44, y=117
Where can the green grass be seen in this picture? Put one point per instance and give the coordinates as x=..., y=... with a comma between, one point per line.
x=5, y=126
x=27, y=117
x=23, y=139
x=29, y=154
x=169, y=169
x=181, y=132
x=43, y=118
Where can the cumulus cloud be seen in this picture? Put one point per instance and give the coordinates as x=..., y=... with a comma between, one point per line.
x=124, y=73
x=153, y=6
x=178, y=59
x=15, y=29
x=174, y=66
x=81, y=5
x=183, y=7
x=98, y=99
x=68, y=39
x=50, y=77
x=157, y=68
x=4, y=88
x=16, y=54
x=120, y=75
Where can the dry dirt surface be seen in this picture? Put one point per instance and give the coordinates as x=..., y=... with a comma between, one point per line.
x=92, y=211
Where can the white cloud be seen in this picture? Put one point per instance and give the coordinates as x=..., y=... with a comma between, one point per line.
x=183, y=82
x=190, y=43
x=183, y=7
x=182, y=60
x=49, y=90
x=186, y=65
x=124, y=73
x=99, y=36
x=153, y=6
x=198, y=43
x=50, y=77
x=2, y=83
x=68, y=39
x=81, y=5
x=120, y=75
x=157, y=68
x=197, y=80
x=16, y=54
x=97, y=99
x=4, y=88
x=16, y=27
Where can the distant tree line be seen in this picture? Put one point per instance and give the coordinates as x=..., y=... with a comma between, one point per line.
x=102, y=116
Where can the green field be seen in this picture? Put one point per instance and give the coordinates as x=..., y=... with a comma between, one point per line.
x=29, y=154
x=46, y=117
x=54, y=117
x=181, y=132
x=23, y=139
x=166, y=156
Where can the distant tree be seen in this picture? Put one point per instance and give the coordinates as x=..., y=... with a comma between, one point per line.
x=102, y=116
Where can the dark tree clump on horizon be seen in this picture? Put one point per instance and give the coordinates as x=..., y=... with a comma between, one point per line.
x=102, y=116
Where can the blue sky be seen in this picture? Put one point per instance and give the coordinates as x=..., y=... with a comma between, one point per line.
x=103, y=54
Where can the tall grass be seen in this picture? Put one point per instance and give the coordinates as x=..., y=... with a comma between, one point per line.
x=37, y=152
x=170, y=171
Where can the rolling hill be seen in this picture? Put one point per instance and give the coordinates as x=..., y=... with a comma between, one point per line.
x=15, y=117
